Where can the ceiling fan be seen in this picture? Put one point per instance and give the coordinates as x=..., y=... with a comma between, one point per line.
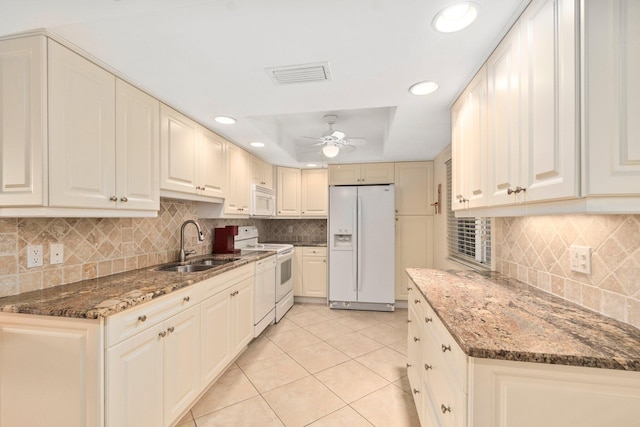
x=336, y=140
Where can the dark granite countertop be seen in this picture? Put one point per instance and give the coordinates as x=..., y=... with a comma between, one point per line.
x=104, y=296
x=495, y=317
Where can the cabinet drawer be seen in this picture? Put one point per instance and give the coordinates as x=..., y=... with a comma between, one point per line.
x=129, y=322
x=445, y=347
x=216, y=284
x=448, y=400
x=314, y=251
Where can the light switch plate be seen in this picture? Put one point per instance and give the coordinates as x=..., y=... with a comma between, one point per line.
x=56, y=251
x=580, y=259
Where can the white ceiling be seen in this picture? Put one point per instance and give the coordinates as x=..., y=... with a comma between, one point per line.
x=208, y=58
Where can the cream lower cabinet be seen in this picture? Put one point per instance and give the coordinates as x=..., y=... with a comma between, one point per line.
x=314, y=272
x=451, y=389
x=296, y=274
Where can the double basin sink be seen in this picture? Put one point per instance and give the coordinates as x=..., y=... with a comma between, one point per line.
x=195, y=266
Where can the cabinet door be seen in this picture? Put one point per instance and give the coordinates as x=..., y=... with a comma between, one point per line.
x=414, y=248
x=215, y=331
x=241, y=315
x=344, y=174
x=296, y=274
x=137, y=149
x=134, y=381
x=261, y=172
x=212, y=168
x=23, y=86
x=178, y=151
x=315, y=193
x=377, y=173
x=181, y=363
x=414, y=188
x=314, y=276
x=503, y=74
x=549, y=110
x=238, y=188
x=81, y=132
x=288, y=192
x=612, y=99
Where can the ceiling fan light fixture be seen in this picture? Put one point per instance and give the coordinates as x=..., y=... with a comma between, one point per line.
x=225, y=120
x=330, y=150
x=423, y=88
x=455, y=17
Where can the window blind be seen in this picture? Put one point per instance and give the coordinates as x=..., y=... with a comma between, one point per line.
x=468, y=239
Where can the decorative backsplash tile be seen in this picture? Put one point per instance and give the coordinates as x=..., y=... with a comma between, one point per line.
x=535, y=250
x=96, y=247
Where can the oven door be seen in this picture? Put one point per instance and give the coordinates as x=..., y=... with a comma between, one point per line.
x=284, y=270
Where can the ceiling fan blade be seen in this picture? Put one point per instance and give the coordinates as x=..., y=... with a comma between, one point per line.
x=347, y=148
x=356, y=141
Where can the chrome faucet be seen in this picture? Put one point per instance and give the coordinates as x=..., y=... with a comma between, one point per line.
x=183, y=253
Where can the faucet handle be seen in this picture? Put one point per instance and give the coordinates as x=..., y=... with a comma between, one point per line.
x=191, y=252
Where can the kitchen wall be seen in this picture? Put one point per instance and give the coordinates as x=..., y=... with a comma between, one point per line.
x=96, y=247
x=535, y=250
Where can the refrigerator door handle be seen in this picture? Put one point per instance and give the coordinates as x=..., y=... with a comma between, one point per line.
x=359, y=265
x=355, y=252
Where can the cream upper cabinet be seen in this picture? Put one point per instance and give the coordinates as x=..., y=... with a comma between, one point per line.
x=82, y=152
x=179, y=151
x=611, y=104
x=211, y=170
x=315, y=193
x=363, y=173
x=288, y=192
x=414, y=188
x=261, y=173
x=414, y=248
x=137, y=148
x=23, y=108
x=238, y=177
x=469, y=145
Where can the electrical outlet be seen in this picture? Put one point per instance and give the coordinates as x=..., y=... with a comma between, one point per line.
x=56, y=251
x=580, y=259
x=34, y=256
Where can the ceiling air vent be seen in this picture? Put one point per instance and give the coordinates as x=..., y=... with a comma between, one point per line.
x=304, y=73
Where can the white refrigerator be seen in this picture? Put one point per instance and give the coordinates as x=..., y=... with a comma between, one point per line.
x=362, y=247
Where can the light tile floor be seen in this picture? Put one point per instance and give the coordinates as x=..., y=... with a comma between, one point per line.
x=317, y=367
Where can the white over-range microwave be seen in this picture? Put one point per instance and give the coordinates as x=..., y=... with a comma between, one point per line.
x=263, y=201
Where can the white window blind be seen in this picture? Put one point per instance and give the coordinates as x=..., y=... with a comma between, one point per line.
x=468, y=239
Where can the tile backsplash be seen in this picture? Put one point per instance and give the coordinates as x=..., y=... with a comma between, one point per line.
x=95, y=247
x=535, y=250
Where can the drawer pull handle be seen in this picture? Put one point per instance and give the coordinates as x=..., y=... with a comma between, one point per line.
x=142, y=318
x=417, y=301
x=233, y=294
x=445, y=409
x=428, y=319
x=124, y=199
x=446, y=348
x=416, y=339
x=427, y=367
x=416, y=391
x=186, y=299
x=162, y=334
x=171, y=329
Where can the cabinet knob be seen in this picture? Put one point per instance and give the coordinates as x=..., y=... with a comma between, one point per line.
x=124, y=199
x=428, y=319
x=142, y=318
x=113, y=198
x=417, y=301
x=416, y=391
x=186, y=299
x=427, y=367
x=510, y=191
x=408, y=320
x=162, y=334
x=408, y=365
x=170, y=329
x=416, y=339
x=445, y=409
x=446, y=348
x=409, y=288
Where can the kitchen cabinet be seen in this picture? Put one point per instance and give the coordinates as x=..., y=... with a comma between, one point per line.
x=314, y=193
x=314, y=272
x=261, y=173
x=238, y=178
x=23, y=139
x=360, y=174
x=611, y=102
x=211, y=167
x=288, y=192
x=296, y=273
x=414, y=248
x=469, y=145
x=414, y=188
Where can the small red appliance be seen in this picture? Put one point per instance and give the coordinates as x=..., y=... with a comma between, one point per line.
x=223, y=242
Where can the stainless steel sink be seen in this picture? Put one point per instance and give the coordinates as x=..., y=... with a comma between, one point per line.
x=214, y=262
x=189, y=268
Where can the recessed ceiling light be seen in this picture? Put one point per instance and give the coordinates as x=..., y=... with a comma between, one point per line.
x=257, y=144
x=311, y=165
x=455, y=17
x=423, y=88
x=225, y=120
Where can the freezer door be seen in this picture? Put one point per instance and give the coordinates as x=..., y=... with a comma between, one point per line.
x=376, y=244
x=342, y=244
